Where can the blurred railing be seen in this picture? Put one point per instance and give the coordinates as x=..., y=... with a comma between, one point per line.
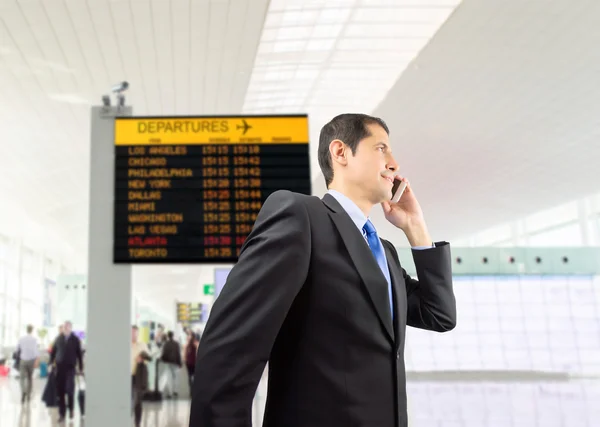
x=517, y=260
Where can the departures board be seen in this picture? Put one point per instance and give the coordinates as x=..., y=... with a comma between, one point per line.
x=188, y=189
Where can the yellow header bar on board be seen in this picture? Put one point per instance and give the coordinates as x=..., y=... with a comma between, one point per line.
x=212, y=130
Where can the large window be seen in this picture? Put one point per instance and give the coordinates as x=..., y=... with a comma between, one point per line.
x=23, y=273
x=575, y=223
x=11, y=325
x=3, y=269
x=551, y=217
x=566, y=235
x=493, y=235
x=4, y=243
x=515, y=323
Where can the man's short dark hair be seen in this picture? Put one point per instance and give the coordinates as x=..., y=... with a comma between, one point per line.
x=134, y=327
x=349, y=128
x=29, y=329
x=170, y=335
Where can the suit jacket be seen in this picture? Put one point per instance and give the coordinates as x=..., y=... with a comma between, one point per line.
x=67, y=352
x=308, y=296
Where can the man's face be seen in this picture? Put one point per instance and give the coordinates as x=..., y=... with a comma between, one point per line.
x=134, y=335
x=68, y=328
x=372, y=167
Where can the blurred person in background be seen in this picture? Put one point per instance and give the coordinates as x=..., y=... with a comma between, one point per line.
x=171, y=357
x=66, y=354
x=160, y=338
x=29, y=356
x=139, y=385
x=60, y=332
x=139, y=373
x=189, y=354
x=137, y=348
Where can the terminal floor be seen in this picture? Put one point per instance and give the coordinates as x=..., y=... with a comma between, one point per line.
x=170, y=413
x=434, y=401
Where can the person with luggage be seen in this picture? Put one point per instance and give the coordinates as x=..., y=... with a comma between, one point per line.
x=66, y=354
x=139, y=385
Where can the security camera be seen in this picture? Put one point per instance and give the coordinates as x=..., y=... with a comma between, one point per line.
x=106, y=100
x=120, y=87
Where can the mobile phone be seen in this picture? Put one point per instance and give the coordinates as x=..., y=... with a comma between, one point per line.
x=397, y=190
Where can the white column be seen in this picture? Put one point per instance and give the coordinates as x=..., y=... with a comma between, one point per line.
x=3, y=337
x=515, y=233
x=108, y=365
x=19, y=265
x=595, y=225
x=523, y=232
x=583, y=212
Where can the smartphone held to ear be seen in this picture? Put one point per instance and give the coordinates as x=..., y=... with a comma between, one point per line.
x=397, y=190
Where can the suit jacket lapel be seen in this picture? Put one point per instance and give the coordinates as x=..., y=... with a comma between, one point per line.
x=364, y=261
x=399, y=287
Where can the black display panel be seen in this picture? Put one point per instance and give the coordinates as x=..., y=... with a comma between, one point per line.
x=189, y=189
x=189, y=313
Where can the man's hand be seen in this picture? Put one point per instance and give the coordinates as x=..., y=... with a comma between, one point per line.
x=408, y=216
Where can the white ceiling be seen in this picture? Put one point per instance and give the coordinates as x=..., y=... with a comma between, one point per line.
x=328, y=57
x=58, y=57
x=497, y=116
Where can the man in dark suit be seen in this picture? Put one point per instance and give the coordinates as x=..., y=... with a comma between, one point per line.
x=320, y=297
x=66, y=352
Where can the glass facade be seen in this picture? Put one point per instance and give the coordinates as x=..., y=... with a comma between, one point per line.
x=575, y=223
x=24, y=273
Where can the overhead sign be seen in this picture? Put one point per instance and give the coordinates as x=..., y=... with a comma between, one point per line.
x=210, y=130
x=189, y=189
x=189, y=312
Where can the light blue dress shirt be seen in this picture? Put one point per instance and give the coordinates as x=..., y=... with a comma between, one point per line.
x=357, y=216
x=360, y=219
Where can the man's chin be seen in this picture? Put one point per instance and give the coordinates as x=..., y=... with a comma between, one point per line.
x=384, y=196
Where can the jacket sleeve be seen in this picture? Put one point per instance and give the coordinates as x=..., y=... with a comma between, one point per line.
x=247, y=315
x=79, y=355
x=53, y=352
x=431, y=301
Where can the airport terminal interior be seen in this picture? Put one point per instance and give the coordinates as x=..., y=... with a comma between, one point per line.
x=140, y=139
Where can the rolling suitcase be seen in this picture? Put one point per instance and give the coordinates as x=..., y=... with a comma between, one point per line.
x=81, y=394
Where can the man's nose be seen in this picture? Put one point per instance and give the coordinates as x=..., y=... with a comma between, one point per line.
x=392, y=165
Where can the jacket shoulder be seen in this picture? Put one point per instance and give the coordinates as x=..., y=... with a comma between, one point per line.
x=291, y=199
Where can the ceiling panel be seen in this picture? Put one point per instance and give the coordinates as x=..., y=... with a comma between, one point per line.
x=58, y=57
x=498, y=116
x=334, y=57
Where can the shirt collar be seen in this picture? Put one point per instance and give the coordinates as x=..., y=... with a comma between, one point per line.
x=357, y=216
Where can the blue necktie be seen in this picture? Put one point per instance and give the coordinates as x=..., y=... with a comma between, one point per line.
x=378, y=252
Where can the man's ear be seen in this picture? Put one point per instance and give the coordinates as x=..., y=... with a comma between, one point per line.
x=338, y=151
